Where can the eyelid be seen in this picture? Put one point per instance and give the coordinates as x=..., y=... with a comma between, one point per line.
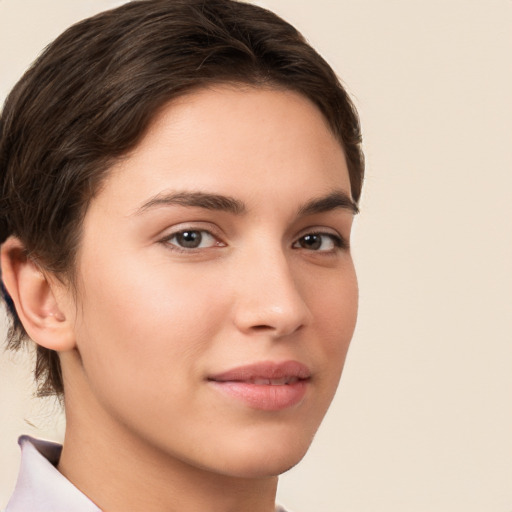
x=195, y=225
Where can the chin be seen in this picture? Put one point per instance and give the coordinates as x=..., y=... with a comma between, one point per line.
x=268, y=467
x=275, y=468
x=266, y=457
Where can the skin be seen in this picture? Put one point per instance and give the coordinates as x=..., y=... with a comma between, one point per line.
x=151, y=319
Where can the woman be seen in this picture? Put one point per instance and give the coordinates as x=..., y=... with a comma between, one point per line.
x=179, y=180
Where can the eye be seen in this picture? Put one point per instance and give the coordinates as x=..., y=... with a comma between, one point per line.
x=322, y=242
x=192, y=239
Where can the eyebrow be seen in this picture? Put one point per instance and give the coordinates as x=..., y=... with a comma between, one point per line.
x=196, y=199
x=332, y=201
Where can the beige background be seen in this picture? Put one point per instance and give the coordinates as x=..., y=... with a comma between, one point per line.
x=423, y=419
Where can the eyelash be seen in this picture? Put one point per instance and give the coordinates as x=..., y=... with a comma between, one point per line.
x=338, y=242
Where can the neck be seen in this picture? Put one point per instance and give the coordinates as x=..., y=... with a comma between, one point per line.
x=119, y=471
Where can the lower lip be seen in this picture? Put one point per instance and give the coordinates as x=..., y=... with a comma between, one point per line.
x=264, y=397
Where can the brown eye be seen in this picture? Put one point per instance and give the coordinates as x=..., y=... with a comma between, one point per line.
x=322, y=242
x=191, y=239
x=312, y=242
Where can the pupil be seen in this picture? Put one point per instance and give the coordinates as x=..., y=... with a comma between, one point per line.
x=311, y=242
x=190, y=239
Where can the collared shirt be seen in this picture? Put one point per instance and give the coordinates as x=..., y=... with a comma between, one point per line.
x=40, y=486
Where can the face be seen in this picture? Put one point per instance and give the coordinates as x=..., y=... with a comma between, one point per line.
x=216, y=291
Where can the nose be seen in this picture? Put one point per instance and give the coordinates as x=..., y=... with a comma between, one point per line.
x=269, y=299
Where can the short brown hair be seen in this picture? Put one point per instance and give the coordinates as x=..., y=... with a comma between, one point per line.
x=88, y=99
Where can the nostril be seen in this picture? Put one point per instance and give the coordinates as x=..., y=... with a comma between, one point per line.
x=261, y=327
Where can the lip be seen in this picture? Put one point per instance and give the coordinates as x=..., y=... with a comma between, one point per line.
x=267, y=386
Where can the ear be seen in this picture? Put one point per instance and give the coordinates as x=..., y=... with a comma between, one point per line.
x=35, y=294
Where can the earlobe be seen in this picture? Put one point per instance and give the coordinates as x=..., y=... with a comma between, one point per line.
x=34, y=296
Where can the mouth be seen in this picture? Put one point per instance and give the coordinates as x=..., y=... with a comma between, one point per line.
x=265, y=386
x=284, y=381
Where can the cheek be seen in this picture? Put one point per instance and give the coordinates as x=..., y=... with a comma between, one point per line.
x=142, y=321
x=335, y=308
x=335, y=316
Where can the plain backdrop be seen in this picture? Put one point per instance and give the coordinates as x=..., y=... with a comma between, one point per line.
x=423, y=418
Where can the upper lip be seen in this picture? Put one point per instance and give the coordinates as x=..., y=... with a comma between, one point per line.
x=264, y=370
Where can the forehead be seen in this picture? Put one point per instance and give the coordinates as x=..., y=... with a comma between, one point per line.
x=226, y=138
